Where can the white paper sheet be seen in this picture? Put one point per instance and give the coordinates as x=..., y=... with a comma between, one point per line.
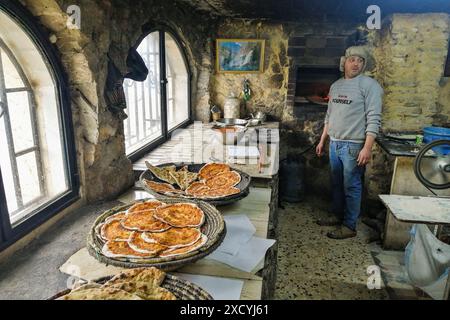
x=248, y=257
x=239, y=231
x=219, y=288
x=243, y=152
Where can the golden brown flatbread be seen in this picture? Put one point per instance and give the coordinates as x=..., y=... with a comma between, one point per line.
x=144, y=221
x=162, y=173
x=196, y=188
x=143, y=206
x=219, y=192
x=180, y=215
x=151, y=275
x=119, y=215
x=100, y=294
x=113, y=230
x=138, y=244
x=211, y=169
x=224, y=180
x=163, y=188
x=174, y=238
x=144, y=290
x=184, y=178
x=183, y=250
x=121, y=249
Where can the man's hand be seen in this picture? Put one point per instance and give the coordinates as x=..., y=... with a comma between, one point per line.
x=319, y=148
x=364, y=156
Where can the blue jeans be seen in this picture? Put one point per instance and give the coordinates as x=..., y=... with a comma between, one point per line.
x=346, y=181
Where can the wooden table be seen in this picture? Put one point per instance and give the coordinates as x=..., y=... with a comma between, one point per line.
x=198, y=143
x=193, y=145
x=404, y=182
x=416, y=209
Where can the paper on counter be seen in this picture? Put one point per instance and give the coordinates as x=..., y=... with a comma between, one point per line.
x=248, y=257
x=243, y=152
x=219, y=288
x=239, y=231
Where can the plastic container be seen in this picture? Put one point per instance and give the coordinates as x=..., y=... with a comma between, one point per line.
x=292, y=179
x=437, y=133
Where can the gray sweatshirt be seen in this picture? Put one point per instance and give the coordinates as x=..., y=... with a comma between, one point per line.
x=354, y=109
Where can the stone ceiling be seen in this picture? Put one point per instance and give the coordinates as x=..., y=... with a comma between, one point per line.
x=295, y=10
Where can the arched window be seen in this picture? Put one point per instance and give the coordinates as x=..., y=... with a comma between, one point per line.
x=37, y=164
x=161, y=103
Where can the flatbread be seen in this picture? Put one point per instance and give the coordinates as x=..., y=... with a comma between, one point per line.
x=183, y=177
x=147, y=205
x=196, y=188
x=162, y=173
x=119, y=216
x=137, y=243
x=180, y=215
x=183, y=250
x=144, y=221
x=151, y=275
x=121, y=249
x=218, y=193
x=144, y=290
x=163, y=188
x=174, y=238
x=100, y=294
x=113, y=230
x=211, y=169
x=224, y=180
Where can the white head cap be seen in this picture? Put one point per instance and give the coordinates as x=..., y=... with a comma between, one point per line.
x=360, y=51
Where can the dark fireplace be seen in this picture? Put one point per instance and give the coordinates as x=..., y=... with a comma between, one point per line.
x=313, y=85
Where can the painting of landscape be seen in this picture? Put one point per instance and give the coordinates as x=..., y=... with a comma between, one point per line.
x=240, y=55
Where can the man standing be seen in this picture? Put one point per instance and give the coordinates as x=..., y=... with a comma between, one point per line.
x=352, y=121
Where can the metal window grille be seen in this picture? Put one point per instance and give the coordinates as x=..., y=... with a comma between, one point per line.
x=13, y=154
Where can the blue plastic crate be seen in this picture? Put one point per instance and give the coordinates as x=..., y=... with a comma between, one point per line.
x=437, y=133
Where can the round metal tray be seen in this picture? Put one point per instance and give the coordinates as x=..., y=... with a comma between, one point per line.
x=213, y=227
x=243, y=185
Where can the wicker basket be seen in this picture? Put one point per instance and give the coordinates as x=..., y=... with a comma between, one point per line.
x=243, y=185
x=182, y=289
x=213, y=227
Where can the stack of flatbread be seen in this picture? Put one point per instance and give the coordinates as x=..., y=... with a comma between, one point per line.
x=152, y=229
x=133, y=284
x=214, y=180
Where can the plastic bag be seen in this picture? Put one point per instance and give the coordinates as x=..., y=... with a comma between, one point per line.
x=427, y=261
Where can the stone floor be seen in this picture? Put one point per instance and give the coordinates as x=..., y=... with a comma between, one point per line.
x=312, y=266
x=32, y=273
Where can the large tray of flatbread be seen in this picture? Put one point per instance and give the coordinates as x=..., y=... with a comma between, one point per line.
x=136, y=284
x=166, y=233
x=215, y=183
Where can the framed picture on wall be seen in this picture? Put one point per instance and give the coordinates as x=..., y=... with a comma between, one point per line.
x=240, y=55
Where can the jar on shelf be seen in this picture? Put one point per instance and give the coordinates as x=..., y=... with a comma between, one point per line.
x=232, y=107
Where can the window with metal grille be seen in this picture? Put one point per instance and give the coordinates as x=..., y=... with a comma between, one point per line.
x=37, y=158
x=161, y=103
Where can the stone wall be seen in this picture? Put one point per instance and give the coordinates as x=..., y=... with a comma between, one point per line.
x=269, y=87
x=410, y=53
x=112, y=27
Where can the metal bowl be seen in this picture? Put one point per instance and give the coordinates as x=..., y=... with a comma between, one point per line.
x=231, y=122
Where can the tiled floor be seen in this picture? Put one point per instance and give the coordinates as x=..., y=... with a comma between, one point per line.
x=312, y=266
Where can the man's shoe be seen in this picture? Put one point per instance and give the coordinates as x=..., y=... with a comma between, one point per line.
x=329, y=221
x=342, y=232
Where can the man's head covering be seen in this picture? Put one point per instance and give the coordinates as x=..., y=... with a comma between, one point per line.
x=360, y=51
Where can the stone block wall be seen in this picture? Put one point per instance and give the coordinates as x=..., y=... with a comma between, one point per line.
x=112, y=27
x=410, y=53
x=269, y=87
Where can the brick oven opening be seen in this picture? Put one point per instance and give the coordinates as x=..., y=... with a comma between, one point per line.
x=313, y=85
